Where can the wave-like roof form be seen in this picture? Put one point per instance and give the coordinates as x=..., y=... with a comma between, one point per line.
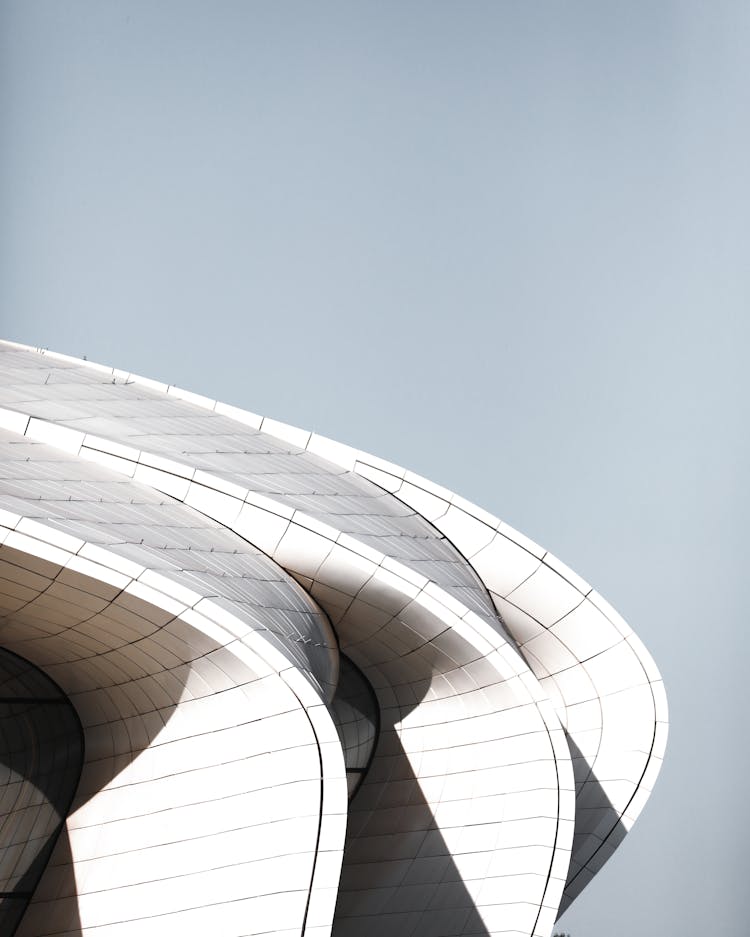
x=195, y=577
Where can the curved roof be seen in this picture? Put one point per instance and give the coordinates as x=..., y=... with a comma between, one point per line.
x=471, y=634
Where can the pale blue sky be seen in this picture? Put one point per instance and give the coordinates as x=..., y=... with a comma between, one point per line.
x=505, y=244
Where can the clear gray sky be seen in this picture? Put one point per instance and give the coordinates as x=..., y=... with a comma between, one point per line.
x=505, y=244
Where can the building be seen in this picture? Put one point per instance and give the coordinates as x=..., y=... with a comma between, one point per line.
x=262, y=683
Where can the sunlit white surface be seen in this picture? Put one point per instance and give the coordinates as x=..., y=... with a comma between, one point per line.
x=507, y=694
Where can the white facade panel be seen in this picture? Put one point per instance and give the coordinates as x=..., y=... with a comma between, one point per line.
x=520, y=721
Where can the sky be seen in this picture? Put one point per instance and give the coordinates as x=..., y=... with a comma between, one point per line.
x=504, y=244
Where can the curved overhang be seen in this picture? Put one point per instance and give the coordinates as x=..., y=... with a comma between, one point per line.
x=193, y=716
x=500, y=707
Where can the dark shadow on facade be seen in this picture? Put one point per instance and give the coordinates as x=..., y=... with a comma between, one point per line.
x=397, y=871
x=43, y=779
x=599, y=829
x=41, y=753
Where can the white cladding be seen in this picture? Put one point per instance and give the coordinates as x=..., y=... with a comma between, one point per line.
x=188, y=573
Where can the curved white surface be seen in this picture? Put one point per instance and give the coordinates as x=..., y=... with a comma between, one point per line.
x=193, y=724
x=507, y=687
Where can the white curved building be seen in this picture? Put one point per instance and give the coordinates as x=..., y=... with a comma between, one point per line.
x=268, y=684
